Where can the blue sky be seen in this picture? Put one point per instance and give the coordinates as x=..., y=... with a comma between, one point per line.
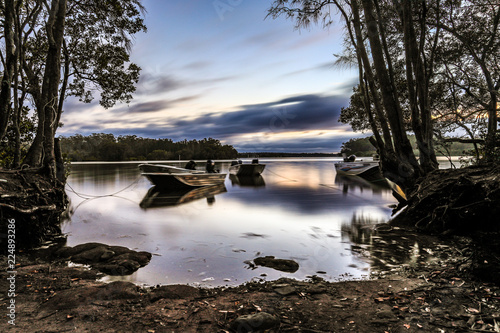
x=221, y=69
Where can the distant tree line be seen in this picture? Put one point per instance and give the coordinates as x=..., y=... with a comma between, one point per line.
x=363, y=147
x=107, y=147
x=281, y=154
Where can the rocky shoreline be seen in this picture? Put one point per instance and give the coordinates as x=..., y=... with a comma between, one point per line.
x=457, y=291
x=444, y=295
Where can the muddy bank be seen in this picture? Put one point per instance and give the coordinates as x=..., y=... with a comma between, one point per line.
x=455, y=201
x=33, y=204
x=458, y=291
x=442, y=295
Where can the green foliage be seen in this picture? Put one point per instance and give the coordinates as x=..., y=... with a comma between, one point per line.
x=160, y=154
x=358, y=147
x=98, y=38
x=106, y=147
x=7, y=145
x=363, y=147
x=355, y=114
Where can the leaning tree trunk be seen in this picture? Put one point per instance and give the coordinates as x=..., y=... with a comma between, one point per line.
x=406, y=172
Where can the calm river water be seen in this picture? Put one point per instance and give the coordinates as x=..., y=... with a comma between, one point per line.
x=299, y=209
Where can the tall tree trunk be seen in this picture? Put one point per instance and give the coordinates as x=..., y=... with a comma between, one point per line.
x=42, y=149
x=10, y=60
x=52, y=76
x=418, y=88
x=408, y=169
x=361, y=51
x=18, y=101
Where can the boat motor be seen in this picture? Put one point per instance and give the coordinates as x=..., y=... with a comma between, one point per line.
x=351, y=158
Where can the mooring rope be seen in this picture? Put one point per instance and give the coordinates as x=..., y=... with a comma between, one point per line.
x=293, y=180
x=91, y=196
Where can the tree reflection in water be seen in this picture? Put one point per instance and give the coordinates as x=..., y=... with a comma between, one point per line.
x=385, y=247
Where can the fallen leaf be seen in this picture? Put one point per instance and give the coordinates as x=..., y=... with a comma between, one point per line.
x=407, y=326
x=381, y=299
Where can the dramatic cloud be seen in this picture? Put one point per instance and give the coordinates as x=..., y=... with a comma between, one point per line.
x=298, y=113
x=297, y=123
x=223, y=75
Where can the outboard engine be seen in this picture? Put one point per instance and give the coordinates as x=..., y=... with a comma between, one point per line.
x=255, y=161
x=351, y=158
x=210, y=167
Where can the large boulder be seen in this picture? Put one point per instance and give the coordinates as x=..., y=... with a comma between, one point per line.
x=112, y=260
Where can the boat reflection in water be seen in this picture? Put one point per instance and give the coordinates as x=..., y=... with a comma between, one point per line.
x=377, y=186
x=385, y=247
x=355, y=183
x=160, y=197
x=247, y=181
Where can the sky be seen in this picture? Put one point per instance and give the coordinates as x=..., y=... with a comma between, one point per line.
x=221, y=69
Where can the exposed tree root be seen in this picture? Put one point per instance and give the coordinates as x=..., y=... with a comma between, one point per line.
x=455, y=201
x=34, y=203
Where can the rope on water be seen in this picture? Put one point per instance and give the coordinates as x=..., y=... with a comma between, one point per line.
x=293, y=180
x=90, y=196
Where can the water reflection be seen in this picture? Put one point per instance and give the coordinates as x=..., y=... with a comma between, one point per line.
x=250, y=181
x=157, y=197
x=383, y=246
x=355, y=184
x=298, y=215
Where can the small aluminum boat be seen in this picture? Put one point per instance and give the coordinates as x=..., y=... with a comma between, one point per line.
x=167, y=176
x=239, y=169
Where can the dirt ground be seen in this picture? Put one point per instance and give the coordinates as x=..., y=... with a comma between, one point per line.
x=458, y=291
x=444, y=295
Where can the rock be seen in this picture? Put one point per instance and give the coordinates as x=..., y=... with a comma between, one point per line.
x=285, y=291
x=254, y=323
x=117, y=290
x=76, y=297
x=283, y=265
x=173, y=292
x=112, y=260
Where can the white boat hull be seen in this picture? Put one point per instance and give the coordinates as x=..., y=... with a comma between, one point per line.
x=357, y=168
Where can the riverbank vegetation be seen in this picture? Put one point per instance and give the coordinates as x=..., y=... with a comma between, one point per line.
x=107, y=147
x=55, y=49
x=363, y=147
x=425, y=67
x=52, y=50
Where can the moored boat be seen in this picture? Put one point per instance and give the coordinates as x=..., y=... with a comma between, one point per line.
x=369, y=170
x=166, y=176
x=252, y=169
x=165, y=168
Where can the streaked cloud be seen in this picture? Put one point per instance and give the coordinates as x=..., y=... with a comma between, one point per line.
x=252, y=82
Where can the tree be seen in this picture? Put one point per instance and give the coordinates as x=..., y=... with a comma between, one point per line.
x=66, y=48
x=470, y=53
x=400, y=48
